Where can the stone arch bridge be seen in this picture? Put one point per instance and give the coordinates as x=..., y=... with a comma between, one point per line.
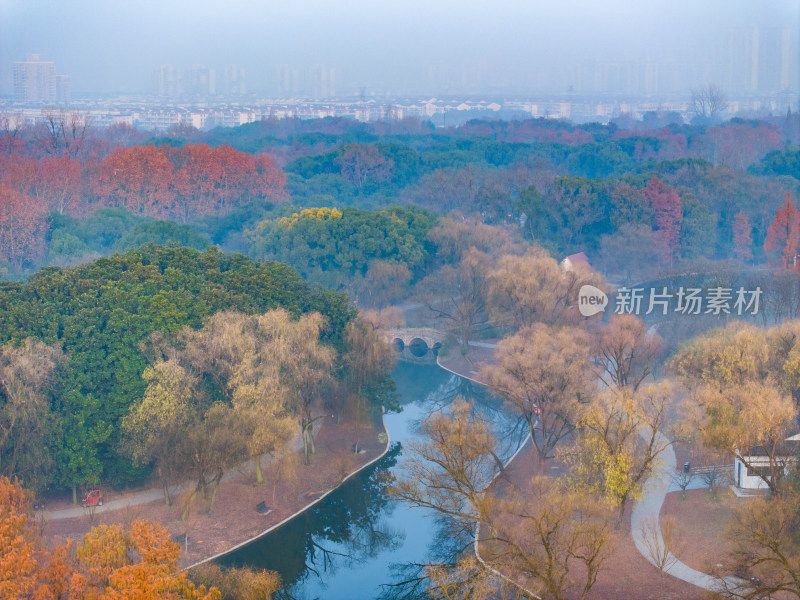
x=417, y=344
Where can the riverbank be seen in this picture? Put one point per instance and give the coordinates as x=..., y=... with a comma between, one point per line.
x=467, y=365
x=290, y=488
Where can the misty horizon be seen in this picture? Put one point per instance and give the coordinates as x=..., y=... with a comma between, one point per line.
x=320, y=50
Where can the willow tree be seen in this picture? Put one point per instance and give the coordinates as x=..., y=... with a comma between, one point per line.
x=306, y=365
x=544, y=375
x=621, y=437
x=367, y=361
x=625, y=352
x=268, y=367
x=457, y=294
x=267, y=426
x=533, y=288
x=157, y=426
x=26, y=420
x=554, y=539
x=741, y=382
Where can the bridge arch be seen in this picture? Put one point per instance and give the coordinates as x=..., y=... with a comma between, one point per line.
x=420, y=344
x=418, y=347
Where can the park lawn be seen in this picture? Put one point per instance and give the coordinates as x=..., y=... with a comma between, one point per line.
x=700, y=525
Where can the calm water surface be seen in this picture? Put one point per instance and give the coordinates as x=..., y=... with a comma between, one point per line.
x=359, y=543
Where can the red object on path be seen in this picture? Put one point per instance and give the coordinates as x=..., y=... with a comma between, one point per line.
x=93, y=498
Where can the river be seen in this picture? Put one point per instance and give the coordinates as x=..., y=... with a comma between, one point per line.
x=359, y=543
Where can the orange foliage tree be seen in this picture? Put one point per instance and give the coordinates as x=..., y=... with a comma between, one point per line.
x=111, y=563
x=58, y=185
x=18, y=565
x=155, y=181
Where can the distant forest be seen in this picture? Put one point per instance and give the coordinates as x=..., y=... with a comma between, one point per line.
x=351, y=205
x=114, y=242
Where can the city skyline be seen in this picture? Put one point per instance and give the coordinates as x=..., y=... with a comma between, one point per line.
x=314, y=50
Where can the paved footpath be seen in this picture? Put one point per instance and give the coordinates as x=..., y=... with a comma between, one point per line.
x=153, y=494
x=648, y=510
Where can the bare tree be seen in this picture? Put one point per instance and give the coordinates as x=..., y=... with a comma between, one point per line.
x=683, y=479
x=9, y=133
x=66, y=133
x=708, y=102
x=557, y=538
x=712, y=470
x=625, y=352
x=661, y=541
x=765, y=551
x=458, y=295
x=466, y=580
x=529, y=289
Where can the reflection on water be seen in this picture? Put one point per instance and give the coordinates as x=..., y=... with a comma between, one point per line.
x=359, y=543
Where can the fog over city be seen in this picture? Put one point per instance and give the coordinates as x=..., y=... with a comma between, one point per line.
x=413, y=47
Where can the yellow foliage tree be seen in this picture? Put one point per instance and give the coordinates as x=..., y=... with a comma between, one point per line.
x=315, y=214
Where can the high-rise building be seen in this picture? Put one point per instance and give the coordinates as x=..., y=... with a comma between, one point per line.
x=200, y=82
x=34, y=80
x=759, y=60
x=233, y=81
x=323, y=82
x=167, y=81
x=63, y=89
x=287, y=81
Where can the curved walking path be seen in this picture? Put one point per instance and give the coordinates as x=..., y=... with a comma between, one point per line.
x=153, y=494
x=648, y=510
x=158, y=494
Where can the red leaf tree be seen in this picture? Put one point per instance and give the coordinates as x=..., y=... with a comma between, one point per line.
x=138, y=179
x=783, y=237
x=23, y=224
x=268, y=180
x=667, y=212
x=215, y=180
x=58, y=186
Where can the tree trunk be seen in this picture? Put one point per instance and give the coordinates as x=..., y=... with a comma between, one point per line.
x=540, y=452
x=74, y=494
x=257, y=464
x=305, y=447
x=165, y=486
x=214, y=488
x=355, y=420
x=623, y=503
x=188, y=505
x=311, y=438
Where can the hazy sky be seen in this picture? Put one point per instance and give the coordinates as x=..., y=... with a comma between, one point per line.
x=421, y=47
